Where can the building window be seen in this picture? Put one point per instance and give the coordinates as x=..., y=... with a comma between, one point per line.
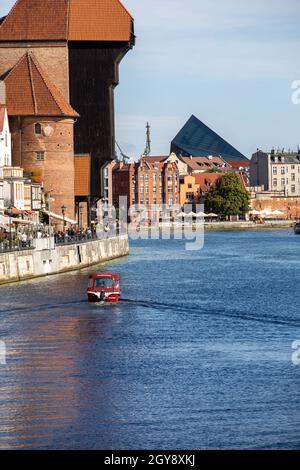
x=38, y=128
x=293, y=167
x=293, y=177
x=282, y=182
x=190, y=186
x=293, y=188
x=274, y=170
x=275, y=182
x=282, y=170
x=40, y=156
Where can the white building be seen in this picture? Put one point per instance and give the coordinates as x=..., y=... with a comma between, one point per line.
x=277, y=172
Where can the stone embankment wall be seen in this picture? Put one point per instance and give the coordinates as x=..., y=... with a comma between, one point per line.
x=21, y=265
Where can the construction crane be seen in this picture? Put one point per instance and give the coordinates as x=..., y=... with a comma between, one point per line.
x=124, y=157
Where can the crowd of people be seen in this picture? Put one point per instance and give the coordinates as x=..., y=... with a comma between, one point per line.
x=18, y=239
x=23, y=238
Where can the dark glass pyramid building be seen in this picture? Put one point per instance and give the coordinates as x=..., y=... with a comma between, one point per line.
x=196, y=139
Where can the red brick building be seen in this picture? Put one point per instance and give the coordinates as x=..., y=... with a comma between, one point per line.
x=68, y=52
x=147, y=184
x=41, y=122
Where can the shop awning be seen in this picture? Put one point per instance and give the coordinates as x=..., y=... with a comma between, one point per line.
x=4, y=220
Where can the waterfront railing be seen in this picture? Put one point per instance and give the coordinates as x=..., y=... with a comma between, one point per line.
x=46, y=242
x=15, y=245
x=69, y=239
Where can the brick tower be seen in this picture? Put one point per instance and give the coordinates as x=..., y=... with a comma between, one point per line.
x=79, y=45
x=41, y=123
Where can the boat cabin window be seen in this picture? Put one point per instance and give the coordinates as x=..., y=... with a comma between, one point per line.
x=105, y=283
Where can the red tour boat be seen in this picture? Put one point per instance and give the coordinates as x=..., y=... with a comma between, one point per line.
x=105, y=287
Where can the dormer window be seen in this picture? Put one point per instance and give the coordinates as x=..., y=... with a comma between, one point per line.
x=38, y=128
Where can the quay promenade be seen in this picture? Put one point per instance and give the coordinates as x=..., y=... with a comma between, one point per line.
x=46, y=258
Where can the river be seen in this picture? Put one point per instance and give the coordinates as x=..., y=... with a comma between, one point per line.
x=198, y=355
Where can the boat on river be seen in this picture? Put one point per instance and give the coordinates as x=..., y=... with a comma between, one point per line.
x=104, y=287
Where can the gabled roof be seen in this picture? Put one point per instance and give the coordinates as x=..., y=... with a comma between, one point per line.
x=237, y=164
x=29, y=92
x=67, y=20
x=195, y=138
x=153, y=159
x=206, y=180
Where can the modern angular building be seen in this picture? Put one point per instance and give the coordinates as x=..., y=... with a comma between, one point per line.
x=69, y=51
x=196, y=139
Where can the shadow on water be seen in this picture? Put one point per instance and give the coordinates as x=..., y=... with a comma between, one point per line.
x=157, y=306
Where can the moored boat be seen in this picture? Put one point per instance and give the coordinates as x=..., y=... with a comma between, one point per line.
x=104, y=287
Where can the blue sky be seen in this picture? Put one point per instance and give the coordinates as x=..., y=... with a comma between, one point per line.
x=231, y=63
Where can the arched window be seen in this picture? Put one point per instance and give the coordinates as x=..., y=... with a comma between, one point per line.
x=38, y=128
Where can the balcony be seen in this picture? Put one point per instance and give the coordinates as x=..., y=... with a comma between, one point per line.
x=12, y=172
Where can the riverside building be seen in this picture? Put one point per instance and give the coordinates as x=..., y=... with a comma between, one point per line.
x=277, y=172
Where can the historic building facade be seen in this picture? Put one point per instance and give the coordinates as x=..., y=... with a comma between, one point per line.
x=278, y=172
x=41, y=123
x=147, y=185
x=73, y=48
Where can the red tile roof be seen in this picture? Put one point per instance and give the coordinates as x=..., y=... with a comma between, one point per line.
x=29, y=92
x=31, y=20
x=74, y=20
x=198, y=163
x=99, y=20
x=206, y=180
x=153, y=159
x=240, y=164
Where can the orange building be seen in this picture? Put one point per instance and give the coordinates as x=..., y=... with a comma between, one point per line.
x=193, y=188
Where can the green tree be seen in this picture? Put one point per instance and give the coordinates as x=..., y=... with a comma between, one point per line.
x=228, y=196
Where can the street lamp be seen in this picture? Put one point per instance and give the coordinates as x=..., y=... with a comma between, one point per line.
x=80, y=217
x=63, y=211
x=9, y=212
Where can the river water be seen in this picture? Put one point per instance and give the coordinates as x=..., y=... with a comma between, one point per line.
x=196, y=356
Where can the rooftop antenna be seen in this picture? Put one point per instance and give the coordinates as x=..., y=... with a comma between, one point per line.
x=147, y=150
x=123, y=156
